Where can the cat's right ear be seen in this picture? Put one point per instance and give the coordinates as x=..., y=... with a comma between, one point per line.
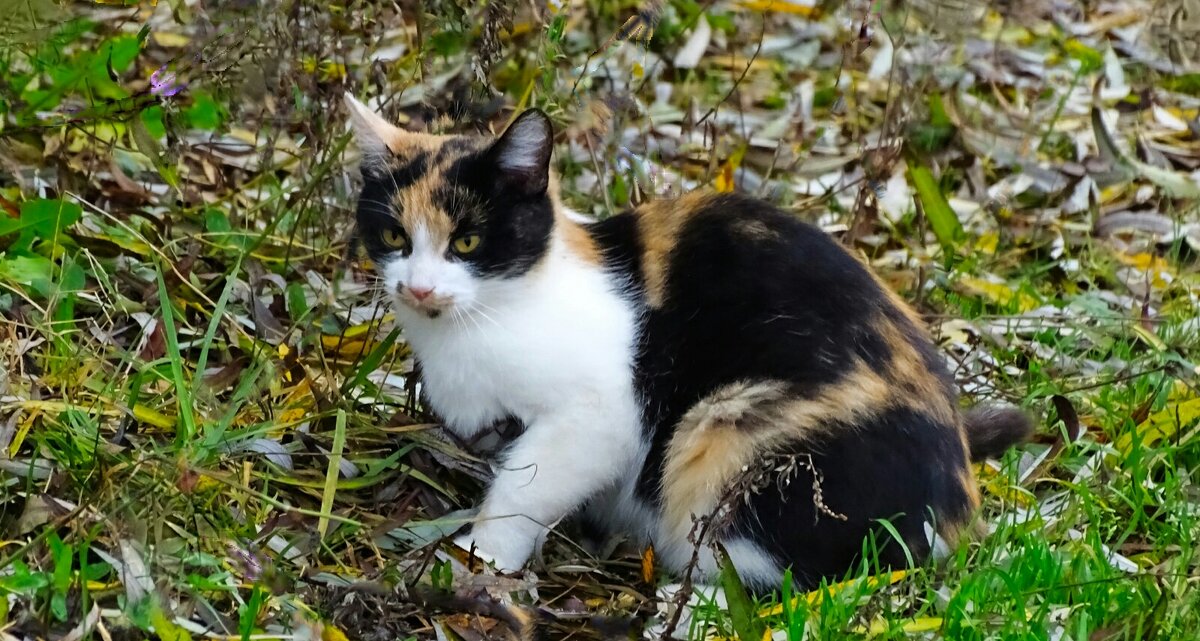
x=372, y=134
x=522, y=154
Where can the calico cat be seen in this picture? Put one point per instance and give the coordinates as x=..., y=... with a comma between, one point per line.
x=710, y=354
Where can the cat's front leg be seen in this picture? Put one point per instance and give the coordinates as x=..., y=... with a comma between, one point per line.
x=552, y=469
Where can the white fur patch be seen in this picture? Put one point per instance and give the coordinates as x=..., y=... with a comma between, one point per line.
x=371, y=133
x=454, y=289
x=554, y=348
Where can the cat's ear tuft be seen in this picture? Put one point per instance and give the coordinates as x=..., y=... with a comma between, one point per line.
x=522, y=154
x=372, y=134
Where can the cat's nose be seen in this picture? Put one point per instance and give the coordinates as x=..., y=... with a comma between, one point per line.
x=420, y=294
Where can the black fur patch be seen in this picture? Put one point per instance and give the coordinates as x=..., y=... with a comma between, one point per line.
x=903, y=451
x=752, y=294
x=456, y=146
x=620, y=247
x=514, y=228
x=374, y=214
x=375, y=203
x=793, y=307
x=406, y=173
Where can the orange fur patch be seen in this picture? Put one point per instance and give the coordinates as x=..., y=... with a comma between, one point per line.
x=577, y=240
x=738, y=423
x=659, y=223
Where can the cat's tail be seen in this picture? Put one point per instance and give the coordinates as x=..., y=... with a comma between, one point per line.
x=992, y=429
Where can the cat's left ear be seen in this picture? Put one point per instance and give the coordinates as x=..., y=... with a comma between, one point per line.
x=372, y=133
x=522, y=154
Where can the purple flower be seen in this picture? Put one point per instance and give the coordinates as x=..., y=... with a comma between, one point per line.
x=162, y=83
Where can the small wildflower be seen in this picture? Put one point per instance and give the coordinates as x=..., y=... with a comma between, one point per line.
x=250, y=564
x=163, y=84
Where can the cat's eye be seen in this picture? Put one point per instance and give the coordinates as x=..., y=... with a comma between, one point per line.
x=466, y=244
x=394, y=238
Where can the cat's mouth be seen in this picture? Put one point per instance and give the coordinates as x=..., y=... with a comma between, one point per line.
x=429, y=305
x=431, y=311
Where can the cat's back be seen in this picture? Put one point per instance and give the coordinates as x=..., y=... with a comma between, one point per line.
x=707, y=246
x=735, y=289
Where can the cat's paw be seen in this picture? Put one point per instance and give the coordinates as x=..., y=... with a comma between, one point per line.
x=497, y=558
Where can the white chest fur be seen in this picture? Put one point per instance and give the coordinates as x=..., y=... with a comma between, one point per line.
x=555, y=349
x=560, y=333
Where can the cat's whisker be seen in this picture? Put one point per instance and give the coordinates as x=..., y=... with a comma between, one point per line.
x=474, y=321
x=491, y=344
x=482, y=309
x=462, y=317
x=456, y=318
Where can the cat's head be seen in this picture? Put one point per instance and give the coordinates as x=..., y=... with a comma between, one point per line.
x=446, y=218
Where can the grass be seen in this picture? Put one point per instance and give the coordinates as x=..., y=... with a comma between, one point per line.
x=208, y=426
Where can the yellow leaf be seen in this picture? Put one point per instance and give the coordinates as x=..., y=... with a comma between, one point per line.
x=168, y=39
x=778, y=6
x=244, y=135
x=997, y=486
x=1162, y=424
x=165, y=627
x=331, y=70
x=355, y=331
x=1144, y=260
x=997, y=292
x=291, y=415
x=99, y=133
x=648, y=565
x=916, y=625
x=814, y=597
x=724, y=181
x=135, y=246
x=153, y=417
x=344, y=347
x=1158, y=269
x=1149, y=337
x=1077, y=48
x=987, y=243
x=205, y=483
x=331, y=633
x=740, y=64
x=1109, y=194
x=22, y=432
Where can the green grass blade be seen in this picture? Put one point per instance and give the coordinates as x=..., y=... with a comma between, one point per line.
x=249, y=612
x=891, y=529
x=218, y=313
x=186, y=417
x=331, y=474
x=934, y=205
x=741, y=608
x=372, y=361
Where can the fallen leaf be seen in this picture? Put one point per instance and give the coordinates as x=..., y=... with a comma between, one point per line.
x=693, y=50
